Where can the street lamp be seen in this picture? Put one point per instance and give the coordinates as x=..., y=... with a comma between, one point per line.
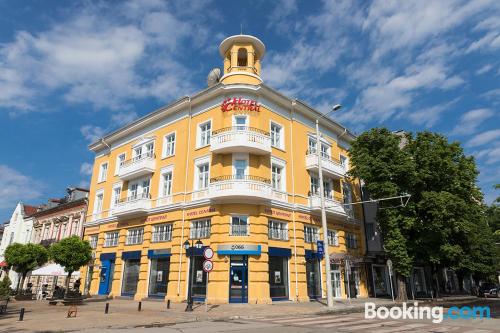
x=324, y=225
x=191, y=247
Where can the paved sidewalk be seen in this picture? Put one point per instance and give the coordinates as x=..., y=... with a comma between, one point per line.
x=39, y=316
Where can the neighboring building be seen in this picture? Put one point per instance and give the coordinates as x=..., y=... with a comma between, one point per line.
x=17, y=230
x=58, y=219
x=235, y=167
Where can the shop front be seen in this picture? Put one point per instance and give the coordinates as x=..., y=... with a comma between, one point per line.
x=335, y=271
x=131, y=269
x=381, y=281
x=106, y=272
x=278, y=273
x=198, y=276
x=158, y=272
x=238, y=271
x=313, y=272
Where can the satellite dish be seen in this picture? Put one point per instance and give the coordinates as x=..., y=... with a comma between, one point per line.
x=213, y=77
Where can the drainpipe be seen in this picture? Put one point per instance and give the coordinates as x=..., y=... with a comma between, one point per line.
x=293, y=212
x=366, y=239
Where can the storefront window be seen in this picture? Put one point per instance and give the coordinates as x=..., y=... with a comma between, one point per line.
x=130, y=276
x=278, y=277
x=158, y=277
x=199, y=278
x=380, y=280
x=313, y=278
x=336, y=280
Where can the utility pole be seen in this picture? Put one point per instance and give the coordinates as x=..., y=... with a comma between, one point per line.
x=329, y=291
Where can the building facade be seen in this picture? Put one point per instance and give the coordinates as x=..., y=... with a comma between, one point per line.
x=17, y=230
x=58, y=219
x=234, y=167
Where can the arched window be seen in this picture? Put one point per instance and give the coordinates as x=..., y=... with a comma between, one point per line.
x=242, y=57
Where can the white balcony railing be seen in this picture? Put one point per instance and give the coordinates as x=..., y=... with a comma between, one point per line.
x=279, y=195
x=240, y=187
x=239, y=230
x=138, y=166
x=132, y=206
x=279, y=234
x=331, y=205
x=330, y=166
x=164, y=201
x=242, y=139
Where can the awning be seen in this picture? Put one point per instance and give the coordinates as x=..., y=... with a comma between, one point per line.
x=53, y=269
x=3, y=264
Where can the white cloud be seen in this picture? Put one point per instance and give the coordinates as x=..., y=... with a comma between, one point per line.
x=484, y=69
x=430, y=116
x=86, y=169
x=470, y=121
x=14, y=187
x=92, y=133
x=484, y=138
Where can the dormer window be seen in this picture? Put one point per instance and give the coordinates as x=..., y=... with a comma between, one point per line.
x=242, y=57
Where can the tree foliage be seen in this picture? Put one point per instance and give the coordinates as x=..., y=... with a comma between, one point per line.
x=444, y=222
x=24, y=258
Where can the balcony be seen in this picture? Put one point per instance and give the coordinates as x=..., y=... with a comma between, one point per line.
x=240, y=187
x=132, y=206
x=240, y=139
x=332, y=168
x=138, y=166
x=332, y=206
x=239, y=230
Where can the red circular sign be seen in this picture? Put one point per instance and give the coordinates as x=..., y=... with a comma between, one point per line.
x=208, y=253
x=208, y=265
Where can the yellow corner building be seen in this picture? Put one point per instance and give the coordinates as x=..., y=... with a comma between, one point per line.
x=233, y=168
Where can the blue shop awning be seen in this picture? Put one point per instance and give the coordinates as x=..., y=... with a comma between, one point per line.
x=163, y=253
x=280, y=252
x=107, y=256
x=197, y=252
x=131, y=255
x=313, y=255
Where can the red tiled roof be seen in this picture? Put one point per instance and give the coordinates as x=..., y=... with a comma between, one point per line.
x=30, y=210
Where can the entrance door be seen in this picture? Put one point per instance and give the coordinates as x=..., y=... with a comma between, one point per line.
x=337, y=291
x=241, y=122
x=106, y=276
x=131, y=277
x=240, y=167
x=158, y=277
x=313, y=279
x=238, y=280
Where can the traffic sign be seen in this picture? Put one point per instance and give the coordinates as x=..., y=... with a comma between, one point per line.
x=389, y=265
x=208, y=253
x=321, y=247
x=208, y=265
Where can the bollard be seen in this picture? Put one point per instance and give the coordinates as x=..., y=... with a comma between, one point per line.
x=21, y=314
x=139, y=307
x=106, y=309
x=168, y=304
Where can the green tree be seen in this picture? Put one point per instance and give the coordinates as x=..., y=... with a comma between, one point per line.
x=72, y=253
x=23, y=258
x=5, y=287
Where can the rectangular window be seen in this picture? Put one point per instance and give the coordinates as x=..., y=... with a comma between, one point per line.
x=135, y=236
x=351, y=241
x=103, y=172
x=312, y=146
x=325, y=151
x=133, y=191
x=167, y=184
x=111, y=239
x=327, y=188
x=239, y=226
x=314, y=186
x=344, y=161
x=150, y=150
x=117, y=191
x=200, y=229
x=240, y=122
x=311, y=234
x=333, y=238
x=203, y=176
x=370, y=230
x=93, y=241
x=276, y=136
x=278, y=230
x=276, y=180
x=162, y=233
x=347, y=189
x=145, y=188
x=98, y=202
x=119, y=161
x=205, y=131
x=169, y=143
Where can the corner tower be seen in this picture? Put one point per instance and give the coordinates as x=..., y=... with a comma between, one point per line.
x=242, y=55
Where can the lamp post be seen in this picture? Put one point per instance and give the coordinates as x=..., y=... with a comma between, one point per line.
x=324, y=225
x=191, y=247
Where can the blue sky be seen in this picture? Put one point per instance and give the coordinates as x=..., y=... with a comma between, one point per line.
x=71, y=71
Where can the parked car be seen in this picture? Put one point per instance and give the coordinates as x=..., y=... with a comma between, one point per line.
x=494, y=292
x=488, y=290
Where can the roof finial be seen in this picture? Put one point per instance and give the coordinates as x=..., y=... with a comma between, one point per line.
x=241, y=26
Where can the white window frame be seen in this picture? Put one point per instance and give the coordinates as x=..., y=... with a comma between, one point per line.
x=281, y=134
x=240, y=156
x=344, y=161
x=102, y=177
x=111, y=241
x=333, y=240
x=197, y=163
x=205, y=234
x=114, y=199
x=135, y=236
x=93, y=239
x=282, y=164
x=247, y=121
x=324, y=143
x=283, y=231
x=163, y=172
x=158, y=236
x=140, y=188
x=98, y=209
x=314, y=234
x=199, y=144
x=238, y=234
x=143, y=144
x=118, y=162
x=166, y=144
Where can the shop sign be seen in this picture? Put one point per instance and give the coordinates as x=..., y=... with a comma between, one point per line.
x=321, y=247
x=239, y=249
x=240, y=104
x=277, y=213
x=200, y=212
x=157, y=218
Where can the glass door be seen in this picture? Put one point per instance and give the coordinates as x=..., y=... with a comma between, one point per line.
x=313, y=279
x=158, y=277
x=238, y=280
x=240, y=123
x=336, y=282
x=240, y=167
x=130, y=277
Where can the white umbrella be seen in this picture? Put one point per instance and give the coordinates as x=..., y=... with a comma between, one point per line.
x=53, y=269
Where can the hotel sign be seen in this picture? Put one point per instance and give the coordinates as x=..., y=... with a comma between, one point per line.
x=240, y=104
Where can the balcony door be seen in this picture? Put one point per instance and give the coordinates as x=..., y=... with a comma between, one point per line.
x=240, y=165
x=240, y=122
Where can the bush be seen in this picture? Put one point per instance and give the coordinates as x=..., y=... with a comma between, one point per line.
x=5, y=290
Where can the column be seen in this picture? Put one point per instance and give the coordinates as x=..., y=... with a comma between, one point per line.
x=69, y=226
x=80, y=226
x=51, y=230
